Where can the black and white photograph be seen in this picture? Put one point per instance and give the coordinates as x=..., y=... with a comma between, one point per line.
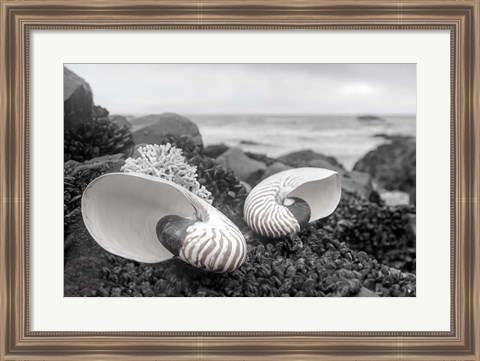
x=240, y=180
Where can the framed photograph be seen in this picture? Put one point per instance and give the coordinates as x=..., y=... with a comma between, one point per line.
x=241, y=180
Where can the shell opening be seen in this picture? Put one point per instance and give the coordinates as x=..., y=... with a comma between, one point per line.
x=300, y=210
x=322, y=195
x=172, y=231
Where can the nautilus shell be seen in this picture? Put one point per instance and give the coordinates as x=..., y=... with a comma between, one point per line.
x=286, y=202
x=150, y=220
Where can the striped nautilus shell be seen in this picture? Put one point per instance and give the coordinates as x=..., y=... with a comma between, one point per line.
x=150, y=220
x=286, y=202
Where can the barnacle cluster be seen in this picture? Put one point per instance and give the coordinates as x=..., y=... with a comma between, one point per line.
x=167, y=162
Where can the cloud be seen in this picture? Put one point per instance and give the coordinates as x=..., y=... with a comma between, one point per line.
x=253, y=88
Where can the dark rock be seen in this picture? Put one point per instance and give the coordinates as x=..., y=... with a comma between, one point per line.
x=157, y=127
x=214, y=151
x=413, y=223
x=245, y=168
x=365, y=292
x=392, y=165
x=261, y=158
x=276, y=167
x=104, y=164
x=121, y=121
x=357, y=182
x=77, y=100
x=309, y=158
x=370, y=118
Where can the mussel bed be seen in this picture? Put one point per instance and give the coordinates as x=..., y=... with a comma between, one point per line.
x=363, y=244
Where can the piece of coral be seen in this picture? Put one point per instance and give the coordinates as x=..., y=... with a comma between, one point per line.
x=167, y=162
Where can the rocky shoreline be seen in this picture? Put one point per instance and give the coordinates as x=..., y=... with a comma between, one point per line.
x=365, y=248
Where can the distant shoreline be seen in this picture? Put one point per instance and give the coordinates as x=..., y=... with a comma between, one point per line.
x=344, y=137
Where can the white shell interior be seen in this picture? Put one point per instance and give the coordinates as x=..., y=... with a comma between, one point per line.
x=121, y=211
x=320, y=188
x=323, y=195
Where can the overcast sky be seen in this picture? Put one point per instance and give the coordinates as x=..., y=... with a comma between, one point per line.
x=252, y=88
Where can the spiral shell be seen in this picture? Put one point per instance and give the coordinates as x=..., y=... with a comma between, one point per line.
x=286, y=202
x=127, y=214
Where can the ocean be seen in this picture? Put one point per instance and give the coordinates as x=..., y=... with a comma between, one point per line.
x=344, y=137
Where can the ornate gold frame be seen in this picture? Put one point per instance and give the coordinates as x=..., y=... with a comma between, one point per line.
x=18, y=17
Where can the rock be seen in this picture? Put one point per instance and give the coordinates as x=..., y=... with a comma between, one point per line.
x=357, y=182
x=365, y=292
x=309, y=158
x=276, y=167
x=245, y=168
x=323, y=163
x=370, y=118
x=395, y=198
x=214, y=151
x=120, y=120
x=77, y=100
x=156, y=127
x=392, y=165
x=104, y=164
x=413, y=222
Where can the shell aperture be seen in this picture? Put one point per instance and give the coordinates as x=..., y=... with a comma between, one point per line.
x=150, y=220
x=299, y=209
x=171, y=231
x=286, y=202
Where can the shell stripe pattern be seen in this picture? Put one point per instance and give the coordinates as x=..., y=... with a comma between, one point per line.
x=215, y=249
x=264, y=210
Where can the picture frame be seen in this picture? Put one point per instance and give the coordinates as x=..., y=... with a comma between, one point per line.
x=19, y=18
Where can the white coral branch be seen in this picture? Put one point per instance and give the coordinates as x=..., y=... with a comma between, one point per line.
x=167, y=162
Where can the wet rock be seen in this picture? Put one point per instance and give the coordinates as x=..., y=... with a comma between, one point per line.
x=104, y=164
x=245, y=168
x=358, y=182
x=370, y=119
x=309, y=158
x=393, y=165
x=214, y=151
x=156, y=128
x=276, y=167
x=77, y=100
x=413, y=223
x=121, y=121
x=365, y=292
